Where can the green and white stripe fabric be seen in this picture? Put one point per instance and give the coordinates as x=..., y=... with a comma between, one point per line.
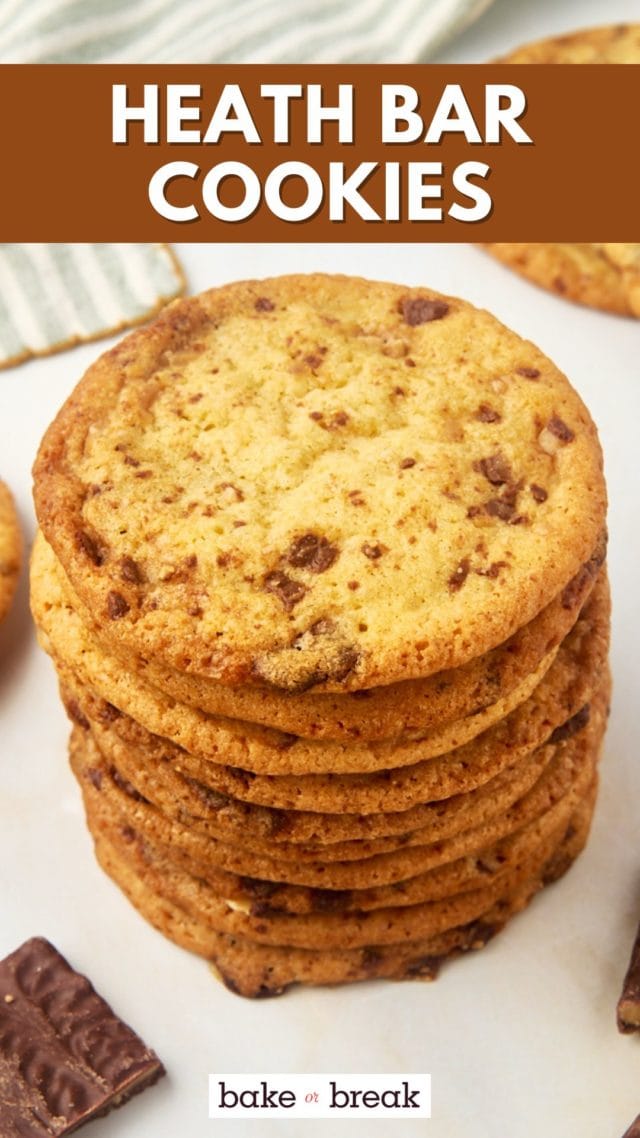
x=53, y=296
x=217, y=31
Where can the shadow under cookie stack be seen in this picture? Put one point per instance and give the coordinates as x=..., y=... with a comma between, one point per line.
x=321, y=572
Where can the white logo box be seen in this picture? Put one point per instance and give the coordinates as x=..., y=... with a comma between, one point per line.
x=320, y=1096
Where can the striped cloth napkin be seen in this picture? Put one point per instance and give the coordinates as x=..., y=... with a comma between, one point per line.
x=216, y=31
x=53, y=296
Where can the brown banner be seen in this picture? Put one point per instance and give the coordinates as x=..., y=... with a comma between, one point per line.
x=319, y=153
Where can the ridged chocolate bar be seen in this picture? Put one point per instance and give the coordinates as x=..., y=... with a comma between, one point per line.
x=65, y=1057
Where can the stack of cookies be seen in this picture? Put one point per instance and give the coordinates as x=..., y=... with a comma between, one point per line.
x=321, y=572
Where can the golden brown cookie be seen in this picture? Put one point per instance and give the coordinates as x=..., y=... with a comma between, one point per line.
x=244, y=745
x=157, y=778
x=258, y=897
x=269, y=831
x=601, y=276
x=256, y=970
x=349, y=928
x=367, y=484
x=405, y=710
x=571, y=764
x=615, y=43
x=377, y=801
x=10, y=549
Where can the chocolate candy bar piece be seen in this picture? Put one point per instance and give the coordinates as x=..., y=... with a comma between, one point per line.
x=629, y=1002
x=65, y=1057
x=634, y=1129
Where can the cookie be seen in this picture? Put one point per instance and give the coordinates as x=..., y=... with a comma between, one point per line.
x=616, y=43
x=601, y=276
x=259, y=971
x=256, y=971
x=442, y=459
x=348, y=928
x=259, y=898
x=398, y=710
x=376, y=803
x=243, y=745
x=573, y=761
x=183, y=797
x=266, y=830
x=10, y=549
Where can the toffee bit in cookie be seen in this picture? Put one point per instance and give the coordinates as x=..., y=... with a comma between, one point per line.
x=373, y=550
x=94, y=774
x=426, y=967
x=501, y=508
x=538, y=493
x=556, y=434
x=263, y=304
x=371, y=956
x=495, y=469
x=313, y=360
x=571, y=727
x=322, y=627
x=108, y=713
x=407, y=463
x=459, y=576
x=560, y=429
x=75, y=713
x=421, y=310
x=125, y=786
x=330, y=900
x=287, y=590
x=528, y=372
x=90, y=547
x=487, y=414
x=231, y=492
x=340, y=419
x=313, y=552
x=628, y=1009
x=130, y=571
x=493, y=570
x=117, y=606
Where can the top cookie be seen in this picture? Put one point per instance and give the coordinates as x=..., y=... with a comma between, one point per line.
x=616, y=43
x=319, y=481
